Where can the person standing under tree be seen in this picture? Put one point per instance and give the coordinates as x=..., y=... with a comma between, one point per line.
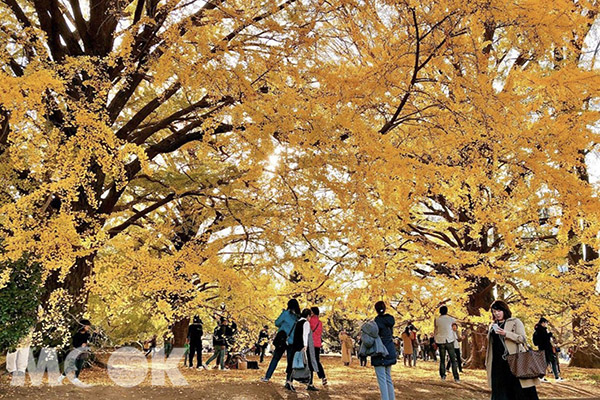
x=303, y=342
x=457, y=340
x=316, y=327
x=425, y=347
x=444, y=337
x=415, y=343
x=543, y=340
x=407, y=348
x=168, y=342
x=194, y=338
x=347, y=344
x=383, y=364
x=263, y=342
x=506, y=335
x=220, y=344
x=151, y=346
x=284, y=337
x=432, y=347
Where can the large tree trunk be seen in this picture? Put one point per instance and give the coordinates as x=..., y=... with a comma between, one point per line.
x=585, y=357
x=180, y=331
x=480, y=298
x=73, y=284
x=588, y=354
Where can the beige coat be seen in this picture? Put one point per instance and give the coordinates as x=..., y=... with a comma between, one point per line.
x=347, y=344
x=515, y=340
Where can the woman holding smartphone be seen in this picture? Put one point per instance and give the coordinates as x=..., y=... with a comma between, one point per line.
x=508, y=331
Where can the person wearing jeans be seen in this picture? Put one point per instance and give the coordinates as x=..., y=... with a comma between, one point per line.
x=383, y=365
x=457, y=340
x=444, y=337
x=449, y=348
x=285, y=335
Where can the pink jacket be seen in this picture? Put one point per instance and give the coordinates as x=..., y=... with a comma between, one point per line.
x=317, y=329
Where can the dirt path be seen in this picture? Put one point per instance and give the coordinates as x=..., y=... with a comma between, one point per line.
x=421, y=383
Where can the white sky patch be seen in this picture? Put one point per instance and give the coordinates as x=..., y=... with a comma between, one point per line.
x=504, y=69
x=591, y=47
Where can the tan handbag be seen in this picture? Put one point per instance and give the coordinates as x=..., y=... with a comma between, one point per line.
x=526, y=365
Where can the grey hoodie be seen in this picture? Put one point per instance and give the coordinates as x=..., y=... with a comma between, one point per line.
x=371, y=344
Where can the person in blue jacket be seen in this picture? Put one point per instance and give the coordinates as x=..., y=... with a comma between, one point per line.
x=383, y=364
x=284, y=337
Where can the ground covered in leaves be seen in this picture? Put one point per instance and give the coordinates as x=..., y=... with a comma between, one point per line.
x=352, y=382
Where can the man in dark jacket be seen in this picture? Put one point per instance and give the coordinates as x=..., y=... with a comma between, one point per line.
x=194, y=338
x=543, y=340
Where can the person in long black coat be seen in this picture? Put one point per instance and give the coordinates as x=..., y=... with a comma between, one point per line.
x=543, y=340
x=194, y=337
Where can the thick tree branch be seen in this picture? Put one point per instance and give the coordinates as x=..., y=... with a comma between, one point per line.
x=145, y=111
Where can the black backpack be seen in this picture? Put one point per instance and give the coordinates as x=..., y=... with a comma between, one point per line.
x=535, y=338
x=280, y=339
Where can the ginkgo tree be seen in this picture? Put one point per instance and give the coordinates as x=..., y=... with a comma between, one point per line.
x=372, y=148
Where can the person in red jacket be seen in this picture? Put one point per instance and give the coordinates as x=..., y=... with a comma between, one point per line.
x=316, y=326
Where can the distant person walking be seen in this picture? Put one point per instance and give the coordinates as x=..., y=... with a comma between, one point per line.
x=383, y=364
x=506, y=334
x=316, y=327
x=347, y=344
x=432, y=347
x=168, y=341
x=425, y=347
x=444, y=338
x=219, y=343
x=407, y=348
x=457, y=339
x=543, y=340
x=151, y=345
x=415, y=343
x=284, y=337
x=263, y=342
x=194, y=338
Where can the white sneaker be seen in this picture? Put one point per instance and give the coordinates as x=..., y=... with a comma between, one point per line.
x=61, y=379
x=78, y=383
x=545, y=380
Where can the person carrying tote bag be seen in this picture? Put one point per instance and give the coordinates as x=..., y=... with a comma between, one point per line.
x=526, y=364
x=507, y=335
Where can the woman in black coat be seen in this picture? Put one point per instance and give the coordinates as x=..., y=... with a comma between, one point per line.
x=383, y=365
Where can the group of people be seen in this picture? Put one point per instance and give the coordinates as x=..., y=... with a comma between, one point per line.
x=223, y=338
x=298, y=332
x=506, y=335
x=411, y=346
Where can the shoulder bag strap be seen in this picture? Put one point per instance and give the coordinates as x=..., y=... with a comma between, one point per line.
x=320, y=323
